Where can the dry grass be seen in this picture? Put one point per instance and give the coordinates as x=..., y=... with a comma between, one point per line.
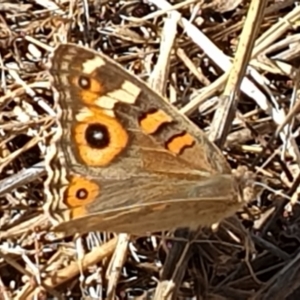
x=206, y=48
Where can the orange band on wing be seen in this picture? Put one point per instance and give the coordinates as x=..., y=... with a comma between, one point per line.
x=178, y=143
x=152, y=121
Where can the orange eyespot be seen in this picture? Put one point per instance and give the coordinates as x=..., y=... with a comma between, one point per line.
x=90, y=88
x=99, y=139
x=80, y=193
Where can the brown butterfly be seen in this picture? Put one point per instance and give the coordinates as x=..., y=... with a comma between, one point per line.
x=123, y=159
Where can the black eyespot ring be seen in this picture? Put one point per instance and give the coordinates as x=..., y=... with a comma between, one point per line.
x=84, y=82
x=97, y=136
x=82, y=194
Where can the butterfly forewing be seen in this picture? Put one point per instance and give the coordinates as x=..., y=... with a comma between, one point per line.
x=129, y=162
